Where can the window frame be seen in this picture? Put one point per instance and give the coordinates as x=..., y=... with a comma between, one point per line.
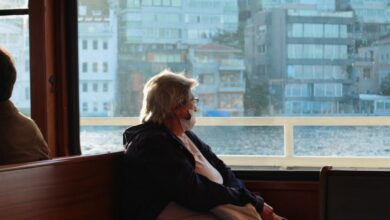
x=55, y=95
x=53, y=68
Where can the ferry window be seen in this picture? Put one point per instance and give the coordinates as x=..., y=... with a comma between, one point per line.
x=14, y=37
x=287, y=87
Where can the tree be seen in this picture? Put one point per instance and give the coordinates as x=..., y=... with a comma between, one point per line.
x=385, y=85
x=229, y=38
x=256, y=100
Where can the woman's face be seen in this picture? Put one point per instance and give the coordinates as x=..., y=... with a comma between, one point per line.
x=183, y=110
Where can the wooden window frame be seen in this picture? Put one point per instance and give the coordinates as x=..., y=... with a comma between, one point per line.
x=54, y=71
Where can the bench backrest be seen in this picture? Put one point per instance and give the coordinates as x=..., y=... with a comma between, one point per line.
x=82, y=187
x=355, y=194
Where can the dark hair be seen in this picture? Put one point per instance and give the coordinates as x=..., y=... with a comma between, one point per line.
x=7, y=75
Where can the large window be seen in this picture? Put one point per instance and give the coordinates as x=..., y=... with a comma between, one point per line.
x=287, y=86
x=14, y=37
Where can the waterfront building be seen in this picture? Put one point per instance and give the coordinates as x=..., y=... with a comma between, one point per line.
x=97, y=57
x=367, y=75
x=372, y=18
x=154, y=35
x=382, y=57
x=372, y=67
x=303, y=58
x=14, y=35
x=220, y=72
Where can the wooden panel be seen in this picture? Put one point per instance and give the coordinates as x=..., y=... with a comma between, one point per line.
x=355, y=194
x=295, y=200
x=86, y=187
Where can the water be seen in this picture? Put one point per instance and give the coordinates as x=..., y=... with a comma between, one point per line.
x=263, y=140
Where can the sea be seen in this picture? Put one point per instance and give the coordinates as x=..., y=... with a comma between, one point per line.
x=263, y=140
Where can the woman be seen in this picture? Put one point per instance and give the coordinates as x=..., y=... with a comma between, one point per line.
x=170, y=173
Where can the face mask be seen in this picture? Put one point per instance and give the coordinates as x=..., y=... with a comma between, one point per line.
x=188, y=124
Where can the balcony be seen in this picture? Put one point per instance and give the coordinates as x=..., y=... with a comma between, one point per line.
x=232, y=87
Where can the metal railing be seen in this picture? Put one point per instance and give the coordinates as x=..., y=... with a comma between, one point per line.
x=288, y=160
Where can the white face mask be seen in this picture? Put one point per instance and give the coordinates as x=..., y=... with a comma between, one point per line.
x=188, y=124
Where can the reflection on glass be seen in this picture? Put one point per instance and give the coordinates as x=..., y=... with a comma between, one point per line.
x=14, y=37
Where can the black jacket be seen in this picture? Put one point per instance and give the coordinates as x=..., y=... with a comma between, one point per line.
x=159, y=169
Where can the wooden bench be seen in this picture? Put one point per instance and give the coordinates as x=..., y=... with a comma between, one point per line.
x=89, y=187
x=355, y=194
x=83, y=187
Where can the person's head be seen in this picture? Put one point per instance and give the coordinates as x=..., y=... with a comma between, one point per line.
x=165, y=94
x=7, y=75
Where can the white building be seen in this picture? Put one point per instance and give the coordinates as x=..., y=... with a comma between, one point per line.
x=97, y=57
x=14, y=38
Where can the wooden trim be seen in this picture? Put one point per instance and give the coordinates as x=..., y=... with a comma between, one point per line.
x=83, y=187
x=60, y=160
x=53, y=60
x=43, y=111
x=19, y=11
x=323, y=190
x=61, y=78
x=71, y=36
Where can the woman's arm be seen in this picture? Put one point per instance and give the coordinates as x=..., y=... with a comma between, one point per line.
x=166, y=165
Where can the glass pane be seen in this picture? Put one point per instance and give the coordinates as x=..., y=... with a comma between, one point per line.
x=101, y=139
x=13, y=4
x=14, y=37
x=243, y=140
x=252, y=59
x=342, y=141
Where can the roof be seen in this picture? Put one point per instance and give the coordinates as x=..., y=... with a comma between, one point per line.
x=383, y=41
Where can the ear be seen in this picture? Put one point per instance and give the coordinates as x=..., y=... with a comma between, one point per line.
x=179, y=112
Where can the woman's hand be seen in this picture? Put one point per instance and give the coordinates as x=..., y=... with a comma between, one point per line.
x=277, y=217
x=268, y=213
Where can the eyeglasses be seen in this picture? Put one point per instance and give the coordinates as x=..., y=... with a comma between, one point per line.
x=195, y=100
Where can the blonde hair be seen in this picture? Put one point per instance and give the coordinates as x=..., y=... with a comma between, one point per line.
x=162, y=93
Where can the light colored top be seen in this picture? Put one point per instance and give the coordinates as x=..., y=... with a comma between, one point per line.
x=20, y=138
x=202, y=165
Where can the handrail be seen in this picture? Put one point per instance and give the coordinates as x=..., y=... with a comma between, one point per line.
x=288, y=123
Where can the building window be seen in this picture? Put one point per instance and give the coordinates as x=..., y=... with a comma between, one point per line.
x=95, y=107
x=85, y=67
x=105, y=45
x=95, y=44
x=85, y=106
x=95, y=87
x=27, y=66
x=95, y=67
x=366, y=73
x=85, y=87
x=27, y=93
x=106, y=106
x=156, y=2
x=85, y=44
x=105, y=87
x=105, y=67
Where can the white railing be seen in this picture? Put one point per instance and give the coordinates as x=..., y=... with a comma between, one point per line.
x=288, y=160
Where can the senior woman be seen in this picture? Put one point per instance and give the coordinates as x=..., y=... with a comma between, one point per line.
x=170, y=173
